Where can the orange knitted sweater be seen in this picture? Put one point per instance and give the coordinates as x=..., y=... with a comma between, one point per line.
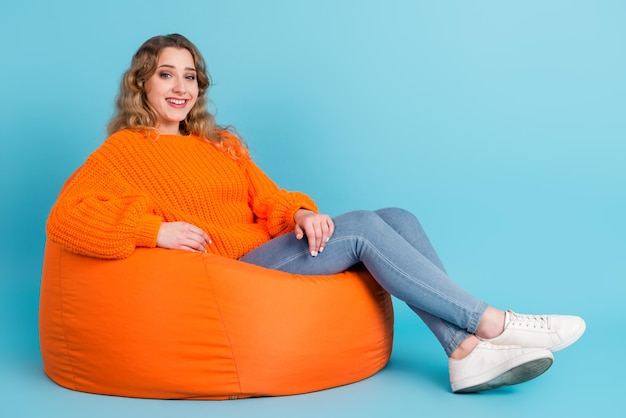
x=117, y=200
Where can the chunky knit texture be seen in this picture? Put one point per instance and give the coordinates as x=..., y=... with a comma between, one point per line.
x=117, y=200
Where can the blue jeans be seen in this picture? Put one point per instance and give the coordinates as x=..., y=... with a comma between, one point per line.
x=396, y=251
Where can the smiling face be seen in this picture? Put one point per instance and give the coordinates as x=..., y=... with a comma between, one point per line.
x=172, y=90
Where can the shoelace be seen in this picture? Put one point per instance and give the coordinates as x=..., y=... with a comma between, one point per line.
x=529, y=321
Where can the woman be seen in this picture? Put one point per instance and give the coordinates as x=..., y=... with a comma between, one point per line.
x=169, y=177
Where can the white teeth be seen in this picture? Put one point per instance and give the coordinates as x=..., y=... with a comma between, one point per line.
x=177, y=101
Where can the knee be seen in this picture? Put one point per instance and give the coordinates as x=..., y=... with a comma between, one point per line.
x=362, y=217
x=399, y=215
x=358, y=221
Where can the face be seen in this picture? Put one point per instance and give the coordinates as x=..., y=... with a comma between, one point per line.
x=173, y=89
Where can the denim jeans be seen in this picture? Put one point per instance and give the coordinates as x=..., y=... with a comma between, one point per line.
x=395, y=250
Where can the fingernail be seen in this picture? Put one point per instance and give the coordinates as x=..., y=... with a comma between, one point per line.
x=314, y=253
x=321, y=249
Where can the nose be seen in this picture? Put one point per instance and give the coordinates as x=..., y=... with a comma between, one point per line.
x=179, y=87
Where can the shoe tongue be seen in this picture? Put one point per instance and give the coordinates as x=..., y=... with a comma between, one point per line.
x=525, y=319
x=509, y=317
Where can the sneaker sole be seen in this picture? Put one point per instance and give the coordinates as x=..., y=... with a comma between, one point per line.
x=519, y=374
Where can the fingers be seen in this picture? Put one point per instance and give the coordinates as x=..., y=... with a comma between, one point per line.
x=195, y=239
x=318, y=230
x=182, y=236
x=299, y=232
x=331, y=231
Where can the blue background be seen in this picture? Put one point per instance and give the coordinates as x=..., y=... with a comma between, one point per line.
x=499, y=123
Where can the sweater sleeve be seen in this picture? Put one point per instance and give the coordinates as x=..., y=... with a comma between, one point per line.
x=274, y=207
x=98, y=214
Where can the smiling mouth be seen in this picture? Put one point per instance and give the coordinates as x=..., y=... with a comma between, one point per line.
x=178, y=102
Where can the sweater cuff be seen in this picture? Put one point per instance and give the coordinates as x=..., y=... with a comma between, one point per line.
x=147, y=231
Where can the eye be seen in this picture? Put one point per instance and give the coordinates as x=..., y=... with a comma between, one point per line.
x=165, y=75
x=191, y=77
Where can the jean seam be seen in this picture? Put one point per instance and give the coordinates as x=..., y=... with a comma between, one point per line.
x=288, y=260
x=403, y=273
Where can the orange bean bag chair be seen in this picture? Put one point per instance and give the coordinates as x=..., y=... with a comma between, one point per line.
x=172, y=324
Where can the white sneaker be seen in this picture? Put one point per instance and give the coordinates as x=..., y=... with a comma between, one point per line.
x=553, y=332
x=491, y=366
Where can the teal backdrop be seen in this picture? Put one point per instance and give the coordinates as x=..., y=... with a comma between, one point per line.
x=500, y=124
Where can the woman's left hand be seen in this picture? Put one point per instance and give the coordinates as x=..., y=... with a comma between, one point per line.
x=316, y=227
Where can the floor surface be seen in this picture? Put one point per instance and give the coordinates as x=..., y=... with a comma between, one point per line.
x=584, y=381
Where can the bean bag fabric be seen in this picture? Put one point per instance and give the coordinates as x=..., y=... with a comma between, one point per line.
x=172, y=324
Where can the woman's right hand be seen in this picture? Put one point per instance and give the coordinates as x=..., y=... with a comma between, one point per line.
x=182, y=236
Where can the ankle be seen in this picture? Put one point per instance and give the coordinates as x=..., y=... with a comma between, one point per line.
x=465, y=348
x=491, y=324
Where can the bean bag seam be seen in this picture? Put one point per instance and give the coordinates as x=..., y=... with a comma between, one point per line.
x=63, y=328
x=219, y=310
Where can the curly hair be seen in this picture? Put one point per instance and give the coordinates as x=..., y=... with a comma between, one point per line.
x=133, y=110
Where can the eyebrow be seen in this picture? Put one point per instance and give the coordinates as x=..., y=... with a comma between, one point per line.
x=173, y=67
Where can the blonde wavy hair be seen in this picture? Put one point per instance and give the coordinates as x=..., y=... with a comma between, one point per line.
x=134, y=112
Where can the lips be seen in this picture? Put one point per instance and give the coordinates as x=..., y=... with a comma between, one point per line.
x=177, y=102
